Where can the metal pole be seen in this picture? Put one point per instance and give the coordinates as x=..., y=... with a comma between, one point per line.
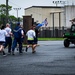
x=53, y=24
x=17, y=12
x=59, y=20
x=59, y=24
x=6, y=11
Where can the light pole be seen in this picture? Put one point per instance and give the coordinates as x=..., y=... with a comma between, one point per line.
x=59, y=2
x=17, y=9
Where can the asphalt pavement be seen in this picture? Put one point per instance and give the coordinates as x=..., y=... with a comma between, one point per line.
x=51, y=58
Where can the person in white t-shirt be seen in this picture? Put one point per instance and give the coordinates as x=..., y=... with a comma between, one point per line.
x=30, y=39
x=3, y=34
x=8, y=38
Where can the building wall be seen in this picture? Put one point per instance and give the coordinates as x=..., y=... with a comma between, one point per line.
x=69, y=14
x=39, y=14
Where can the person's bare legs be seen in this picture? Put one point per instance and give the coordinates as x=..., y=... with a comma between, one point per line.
x=2, y=50
x=33, y=48
x=1, y=47
x=27, y=47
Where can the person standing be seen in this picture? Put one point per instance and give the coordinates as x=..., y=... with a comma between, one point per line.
x=3, y=34
x=22, y=39
x=18, y=34
x=8, y=38
x=30, y=39
x=36, y=32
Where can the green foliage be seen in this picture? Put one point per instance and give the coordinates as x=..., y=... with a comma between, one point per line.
x=3, y=8
x=13, y=18
x=3, y=13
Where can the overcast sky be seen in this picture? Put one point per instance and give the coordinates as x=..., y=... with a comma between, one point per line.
x=27, y=3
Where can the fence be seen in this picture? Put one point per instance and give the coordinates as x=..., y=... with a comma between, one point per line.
x=48, y=32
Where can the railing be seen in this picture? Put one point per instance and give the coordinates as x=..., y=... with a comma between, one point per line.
x=47, y=32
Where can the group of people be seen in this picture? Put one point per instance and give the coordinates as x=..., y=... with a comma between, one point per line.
x=18, y=33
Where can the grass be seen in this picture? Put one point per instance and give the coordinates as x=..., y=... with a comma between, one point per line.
x=50, y=39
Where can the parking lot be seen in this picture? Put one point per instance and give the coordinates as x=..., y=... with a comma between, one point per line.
x=51, y=58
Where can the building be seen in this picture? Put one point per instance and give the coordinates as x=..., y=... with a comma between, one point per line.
x=58, y=18
x=54, y=15
x=69, y=14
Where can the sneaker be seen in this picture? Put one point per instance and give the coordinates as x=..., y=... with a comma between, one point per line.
x=26, y=48
x=20, y=52
x=4, y=55
x=13, y=53
x=9, y=53
x=33, y=51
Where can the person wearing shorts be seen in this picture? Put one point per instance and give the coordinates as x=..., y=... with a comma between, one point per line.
x=3, y=34
x=30, y=39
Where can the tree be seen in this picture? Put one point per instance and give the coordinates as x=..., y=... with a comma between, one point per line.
x=11, y=18
x=3, y=8
x=3, y=13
